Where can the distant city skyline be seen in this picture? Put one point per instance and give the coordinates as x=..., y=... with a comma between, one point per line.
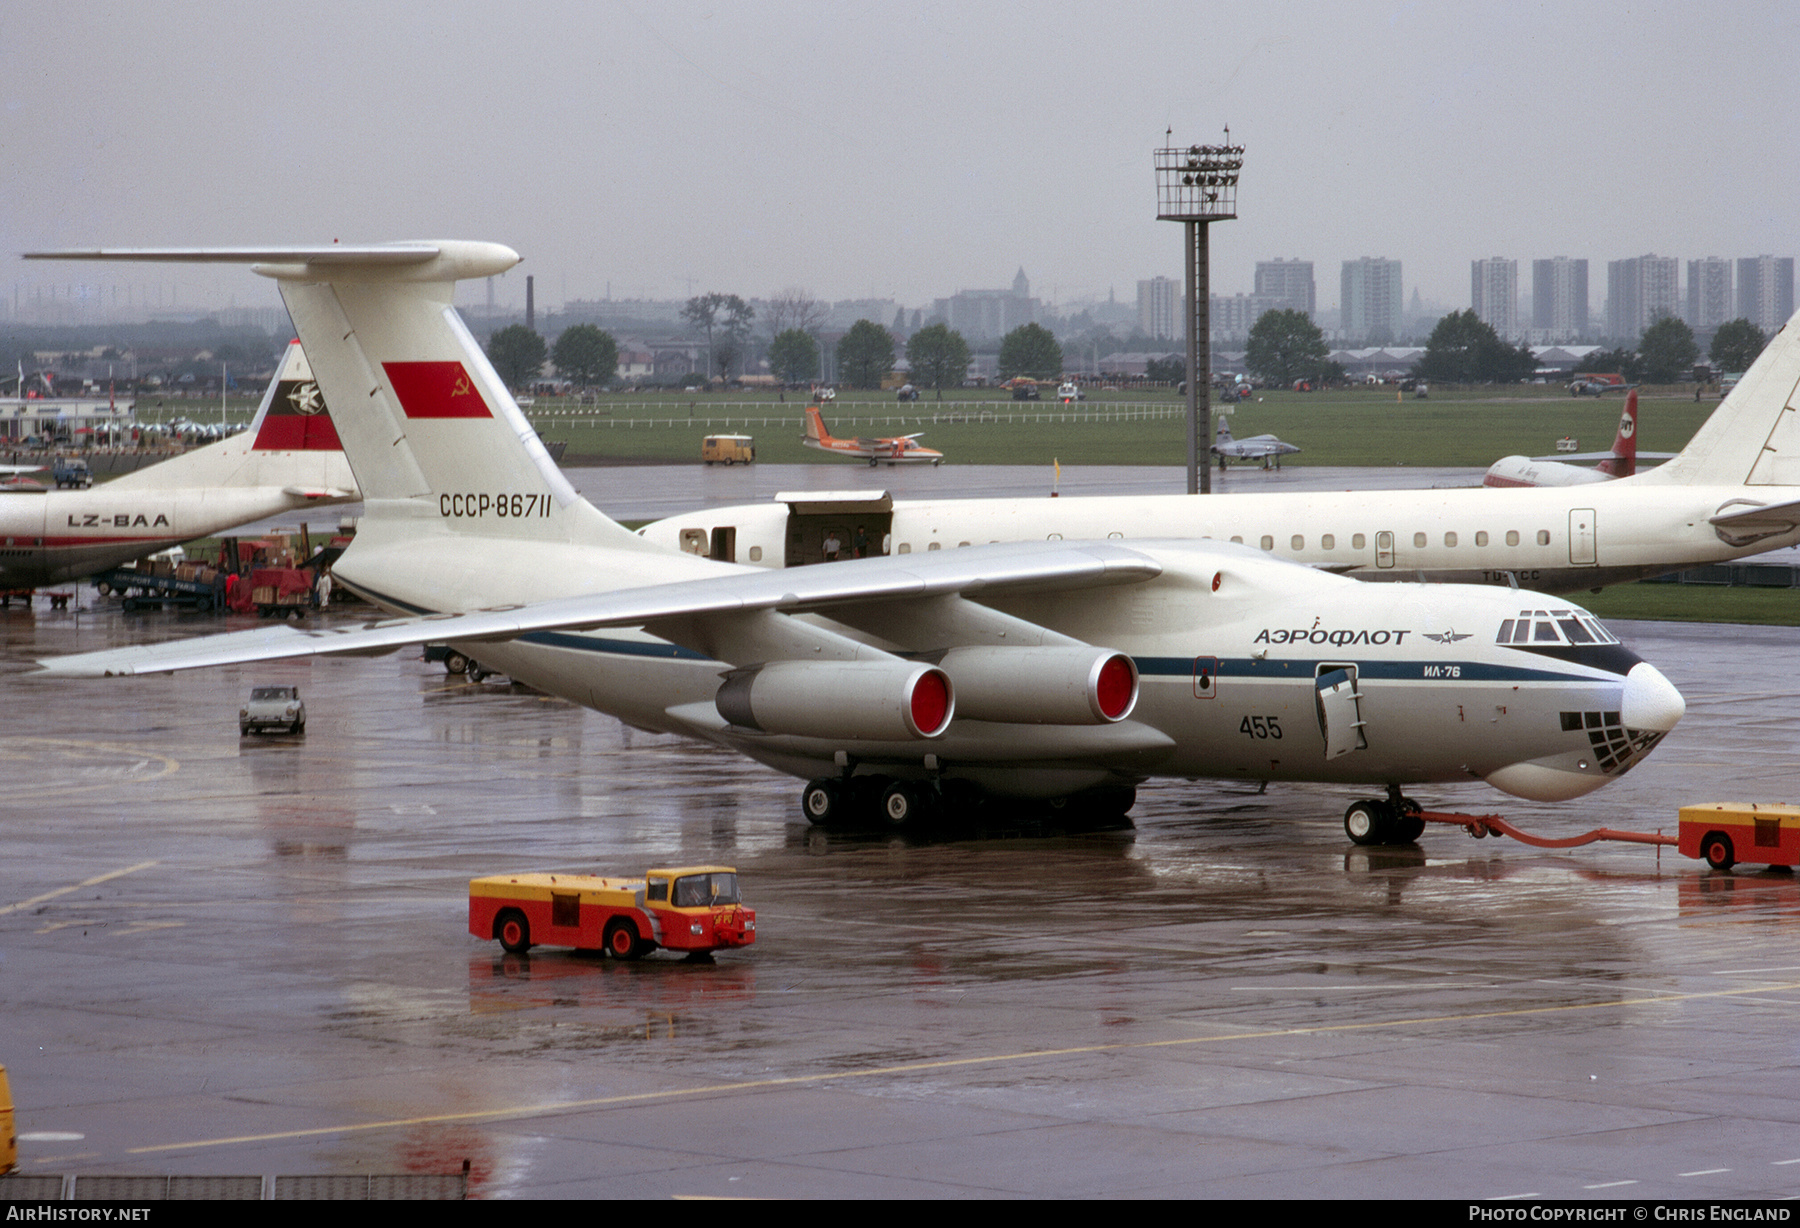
x=662, y=151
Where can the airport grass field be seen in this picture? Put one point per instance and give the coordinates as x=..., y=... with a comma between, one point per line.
x=1348, y=427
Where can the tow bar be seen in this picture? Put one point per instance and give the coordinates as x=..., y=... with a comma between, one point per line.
x=1483, y=825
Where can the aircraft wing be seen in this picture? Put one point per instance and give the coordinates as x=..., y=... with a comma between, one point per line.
x=1033, y=566
x=1601, y=456
x=316, y=492
x=20, y=468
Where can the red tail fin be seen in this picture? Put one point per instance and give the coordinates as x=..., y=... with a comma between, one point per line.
x=1624, y=458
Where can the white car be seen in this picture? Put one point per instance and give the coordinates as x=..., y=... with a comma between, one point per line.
x=272, y=707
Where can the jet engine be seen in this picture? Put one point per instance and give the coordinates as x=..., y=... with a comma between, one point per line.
x=882, y=701
x=1043, y=686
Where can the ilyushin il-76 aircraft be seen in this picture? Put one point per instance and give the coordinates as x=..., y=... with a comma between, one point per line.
x=1733, y=491
x=288, y=459
x=898, y=687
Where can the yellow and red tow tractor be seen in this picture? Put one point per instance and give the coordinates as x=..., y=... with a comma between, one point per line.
x=1724, y=833
x=694, y=909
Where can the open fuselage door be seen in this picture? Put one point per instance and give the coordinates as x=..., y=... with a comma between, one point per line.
x=815, y=516
x=1339, y=709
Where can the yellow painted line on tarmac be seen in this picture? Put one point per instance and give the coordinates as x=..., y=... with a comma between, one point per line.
x=996, y=1059
x=92, y=882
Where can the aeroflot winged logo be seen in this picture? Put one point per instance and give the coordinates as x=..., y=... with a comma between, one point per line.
x=436, y=390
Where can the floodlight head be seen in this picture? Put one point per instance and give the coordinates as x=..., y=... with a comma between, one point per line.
x=1198, y=183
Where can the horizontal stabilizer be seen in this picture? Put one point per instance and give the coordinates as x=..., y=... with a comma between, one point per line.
x=446, y=260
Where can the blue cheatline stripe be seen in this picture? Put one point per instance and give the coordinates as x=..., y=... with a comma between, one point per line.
x=1407, y=671
x=624, y=648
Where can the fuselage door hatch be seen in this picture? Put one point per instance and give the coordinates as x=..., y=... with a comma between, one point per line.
x=1339, y=708
x=1582, y=546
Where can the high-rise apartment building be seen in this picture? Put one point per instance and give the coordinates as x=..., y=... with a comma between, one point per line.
x=1639, y=292
x=1289, y=282
x=1159, y=309
x=1494, y=294
x=1765, y=287
x=1708, y=292
x=1559, y=298
x=1372, y=298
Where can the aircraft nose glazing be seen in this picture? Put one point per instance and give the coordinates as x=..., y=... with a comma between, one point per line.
x=1651, y=701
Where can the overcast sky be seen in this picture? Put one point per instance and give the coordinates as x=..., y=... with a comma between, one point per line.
x=907, y=150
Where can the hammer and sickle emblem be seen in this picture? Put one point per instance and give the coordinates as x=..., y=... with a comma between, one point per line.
x=461, y=388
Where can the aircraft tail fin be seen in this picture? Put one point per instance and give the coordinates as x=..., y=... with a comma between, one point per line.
x=1753, y=437
x=292, y=416
x=816, y=430
x=429, y=429
x=291, y=444
x=429, y=426
x=1224, y=435
x=1624, y=458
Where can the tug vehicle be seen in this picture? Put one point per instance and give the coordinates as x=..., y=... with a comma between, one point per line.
x=1724, y=833
x=696, y=909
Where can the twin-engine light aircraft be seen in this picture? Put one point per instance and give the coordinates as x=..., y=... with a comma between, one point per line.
x=1733, y=491
x=1258, y=447
x=288, y=459
x=1054, y=671
x=896, y=450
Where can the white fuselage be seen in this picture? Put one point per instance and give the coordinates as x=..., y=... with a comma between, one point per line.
x=1544, y=539
x=1227, y=642
x=65, y=534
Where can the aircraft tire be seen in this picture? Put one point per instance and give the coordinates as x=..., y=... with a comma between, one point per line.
x=513, y=931
x=1717, y=851
x=1408, y=829
x=1369, y=822
x=822, y=802
x=621, y=939
x=901, y=805
x=455, y=663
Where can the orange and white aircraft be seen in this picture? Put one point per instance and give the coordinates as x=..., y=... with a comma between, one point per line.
x=899, y=450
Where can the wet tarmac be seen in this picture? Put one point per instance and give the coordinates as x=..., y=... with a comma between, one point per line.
x=248, y=956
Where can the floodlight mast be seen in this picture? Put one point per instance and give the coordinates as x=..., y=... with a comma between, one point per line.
x=1198, y=185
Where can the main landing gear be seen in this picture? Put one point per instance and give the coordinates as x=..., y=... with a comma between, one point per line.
x=878, y=800
x=1390, y=820
x=885, y=802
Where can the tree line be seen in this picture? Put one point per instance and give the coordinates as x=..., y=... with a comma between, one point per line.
x=1286, y=346
x=939, y=356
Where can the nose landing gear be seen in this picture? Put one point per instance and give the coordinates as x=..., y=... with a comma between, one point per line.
x=1391, y=820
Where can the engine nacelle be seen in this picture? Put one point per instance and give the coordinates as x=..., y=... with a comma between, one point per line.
x=1043, y=686
x=879, y=701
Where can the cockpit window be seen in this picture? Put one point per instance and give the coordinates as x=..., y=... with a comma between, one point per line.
x=1554, y=627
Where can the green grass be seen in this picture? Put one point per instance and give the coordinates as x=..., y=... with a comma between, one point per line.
x=1351, y=427
x=1696, y=603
